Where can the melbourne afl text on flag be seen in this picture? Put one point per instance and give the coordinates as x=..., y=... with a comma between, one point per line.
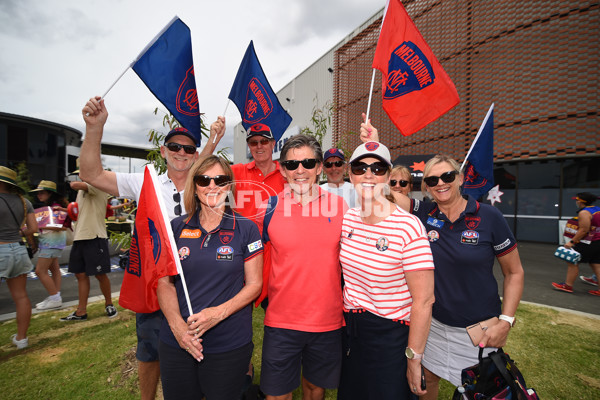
x=416, y=89
x=167, y=68
x=254, y=97
x=479, y=162
x=153, y=253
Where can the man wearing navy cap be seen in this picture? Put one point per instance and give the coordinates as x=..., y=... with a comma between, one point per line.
x=180, y=153
x=335, y=167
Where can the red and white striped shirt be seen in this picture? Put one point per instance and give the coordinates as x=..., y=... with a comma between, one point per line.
x=374, y=259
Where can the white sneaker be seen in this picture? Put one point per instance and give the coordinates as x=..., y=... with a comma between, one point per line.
x=49, y=304
x=41, y=303
x=21, y=344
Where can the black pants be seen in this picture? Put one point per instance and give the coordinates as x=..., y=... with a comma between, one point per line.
x=218, y=376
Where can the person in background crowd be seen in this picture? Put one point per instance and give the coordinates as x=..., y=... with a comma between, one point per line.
x=180, y=152
x=52, y=243
x=304, y=318
x=89, y=253
x=586, y=241
x=466, y=237
x=401, y=180
x=388, y=287
x=221, y=258
x=15, y=212
x=335, y=167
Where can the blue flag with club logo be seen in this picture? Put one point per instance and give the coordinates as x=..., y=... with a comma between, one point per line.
x=255, y=99
x=479, y=163
x=167, y=68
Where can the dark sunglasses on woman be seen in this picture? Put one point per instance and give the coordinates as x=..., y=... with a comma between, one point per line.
x=307, y=163
x=402, y=183
x=175, y=147
x=204, y=180
x=446, y=177
x=329, y=164
x=377, y=168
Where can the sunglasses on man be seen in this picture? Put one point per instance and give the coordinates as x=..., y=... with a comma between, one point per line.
x=254, y=143
x=177, y=199
x=446, y=177
x=307, y=163
x=175, y=147
x=329, y=164
x=377, y=168
x=402, y=183
x=204, y=180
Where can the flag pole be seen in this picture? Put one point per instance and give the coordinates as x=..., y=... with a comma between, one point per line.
x=370, y=95
x=117, y=80
x=487, y=116
x=224, y=112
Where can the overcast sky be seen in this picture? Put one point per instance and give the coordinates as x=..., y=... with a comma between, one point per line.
x=54, y=55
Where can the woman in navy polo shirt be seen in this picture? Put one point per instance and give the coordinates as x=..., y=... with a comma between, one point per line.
x=465, y=237
x=208, y=352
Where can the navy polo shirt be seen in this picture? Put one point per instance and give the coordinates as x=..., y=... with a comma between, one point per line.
x=213, y=267
x=466, y=291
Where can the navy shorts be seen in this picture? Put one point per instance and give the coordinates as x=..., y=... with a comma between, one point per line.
x=285, y=352
x=90, y=256
x=147, y=327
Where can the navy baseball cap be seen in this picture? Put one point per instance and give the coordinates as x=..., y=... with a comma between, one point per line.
x=182, y=131
x=260, y=130
x=333, y=152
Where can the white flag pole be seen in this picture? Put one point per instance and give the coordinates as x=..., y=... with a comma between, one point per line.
x=175, y=254
x=224, y=112
x=142, y=53
x=387, y=4
x=487, y=116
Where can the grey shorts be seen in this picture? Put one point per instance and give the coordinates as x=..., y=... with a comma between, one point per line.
x=49, y=253
x=14, y=260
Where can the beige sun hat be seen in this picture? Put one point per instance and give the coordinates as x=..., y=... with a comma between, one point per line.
x=45, y=185
x=9, y=176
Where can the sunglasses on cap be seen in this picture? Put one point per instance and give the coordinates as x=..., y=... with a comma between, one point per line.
x=402, y=183
x=446, y=177
x=377, y=168
x=307, y=163
x=204, y=180
x=254, y=143
x=329, y=164
x=175, y=147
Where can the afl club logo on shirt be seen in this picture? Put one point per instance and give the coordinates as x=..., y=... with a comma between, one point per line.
x=225, y=253
x=469, y=237
x=408, y=70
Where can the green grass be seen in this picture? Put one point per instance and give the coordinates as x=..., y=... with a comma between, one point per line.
x=558, y=353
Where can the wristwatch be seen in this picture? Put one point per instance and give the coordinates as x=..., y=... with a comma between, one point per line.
x=511, y=320
x=411, y=355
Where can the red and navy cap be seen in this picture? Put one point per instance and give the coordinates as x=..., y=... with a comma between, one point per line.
x=586, y=198
x=259, y=130
x=333, y=152
x=184, y=132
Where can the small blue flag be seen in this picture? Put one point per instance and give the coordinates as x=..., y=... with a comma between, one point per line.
x=479, y=165
x=255, y=99
x=167, y=68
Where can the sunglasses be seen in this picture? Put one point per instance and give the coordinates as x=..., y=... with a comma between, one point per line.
x=377, y=168
x=177, y=199
x=204, y=180
x=307, y=163
x=175, y=147
x=329, y=164
x=446, y=177
x=254, y=143
x=402, y=183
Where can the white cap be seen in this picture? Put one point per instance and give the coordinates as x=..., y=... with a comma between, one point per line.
x=372, y=149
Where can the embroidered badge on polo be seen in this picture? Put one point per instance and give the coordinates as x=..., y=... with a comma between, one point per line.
x=382, y=244
x=184, y=253
x=225, y=253
x=225, y=236
x=472, y=222
x=433, y=236
x=435, y=222
x=469, y=237
x=408, y=70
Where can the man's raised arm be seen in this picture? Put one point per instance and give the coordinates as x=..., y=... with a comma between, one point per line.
x=90, y=165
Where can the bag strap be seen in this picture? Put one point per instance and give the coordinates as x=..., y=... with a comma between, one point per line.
x=499, y=357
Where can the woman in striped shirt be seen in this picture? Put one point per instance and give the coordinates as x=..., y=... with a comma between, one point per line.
x=388, y=287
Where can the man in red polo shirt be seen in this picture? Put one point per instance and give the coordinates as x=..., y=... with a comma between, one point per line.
x=259, y=179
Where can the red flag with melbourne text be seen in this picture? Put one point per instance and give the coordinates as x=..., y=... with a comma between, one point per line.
x=416, y=89
x=153, y=253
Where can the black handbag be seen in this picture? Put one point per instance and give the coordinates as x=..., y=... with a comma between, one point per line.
x=496, y=377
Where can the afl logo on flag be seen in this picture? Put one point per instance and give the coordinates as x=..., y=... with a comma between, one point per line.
x=408, y=70
x=187, y=97
x=258, y=103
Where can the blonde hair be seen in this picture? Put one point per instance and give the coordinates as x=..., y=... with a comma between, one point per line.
x=403, y=171
x=438, y=159
x=190, y=200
